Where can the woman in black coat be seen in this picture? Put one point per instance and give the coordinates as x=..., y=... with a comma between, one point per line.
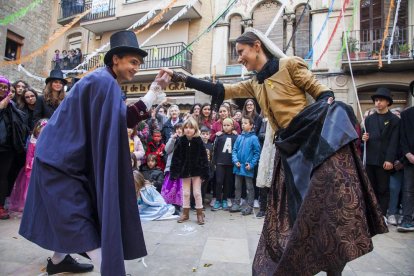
x=12, y=137
x=53, y=95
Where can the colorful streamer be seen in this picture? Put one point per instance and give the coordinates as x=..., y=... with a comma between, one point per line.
x=11, y=18
x=333, y=32
x=310, y=53
x=384, y=36
x=52, y=39
x=350, y=27
x=393, y=30
x=181, y=53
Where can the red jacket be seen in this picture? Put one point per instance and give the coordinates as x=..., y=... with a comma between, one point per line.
x=158, y=150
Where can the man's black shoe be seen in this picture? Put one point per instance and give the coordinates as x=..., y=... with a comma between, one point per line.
x=68, y=264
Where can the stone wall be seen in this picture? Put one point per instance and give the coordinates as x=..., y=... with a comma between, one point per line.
x=34, y=27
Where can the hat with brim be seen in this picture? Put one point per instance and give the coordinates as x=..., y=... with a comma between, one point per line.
x=56, y=74
x=412, y=88
x=383, y=93
x=124, y=42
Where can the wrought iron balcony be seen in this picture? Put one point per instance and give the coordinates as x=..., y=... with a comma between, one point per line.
x=158, y=56
x=69, y=9
x=364, y=47
x=366, y=44
x=99, y=12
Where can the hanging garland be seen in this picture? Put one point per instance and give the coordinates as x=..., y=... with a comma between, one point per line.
x=296, y=26
x=11, y=18
x=180, y=54
x=393, y=30
x=46, y=46
x=157, y=18
x=333, y=32
x=163, y=5
x=171, y=21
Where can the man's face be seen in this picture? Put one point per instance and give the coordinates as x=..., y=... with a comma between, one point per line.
x=205, y=135
x=381, y=103
x=126, y=67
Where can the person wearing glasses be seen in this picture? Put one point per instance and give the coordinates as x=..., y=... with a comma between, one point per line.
x=30, y=98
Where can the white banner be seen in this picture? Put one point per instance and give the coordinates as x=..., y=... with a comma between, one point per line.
x=99, y=6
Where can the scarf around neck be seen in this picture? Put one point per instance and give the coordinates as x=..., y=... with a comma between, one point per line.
x=269, y=69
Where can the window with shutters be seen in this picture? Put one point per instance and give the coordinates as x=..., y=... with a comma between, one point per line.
x=303, y=36
x=235, y=30
x=263, y=16
x=14, y=44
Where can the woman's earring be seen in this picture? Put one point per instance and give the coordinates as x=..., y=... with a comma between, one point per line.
x=257, y=56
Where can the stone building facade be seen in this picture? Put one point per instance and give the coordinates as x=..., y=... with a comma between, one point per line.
x=22, y=37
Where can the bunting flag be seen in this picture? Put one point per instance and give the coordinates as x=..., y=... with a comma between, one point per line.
x=46, y=46
x=384, y=36
x=342, y=13
x=393, y=30
x=11, y=18
x=171, y=21
x=181, y=54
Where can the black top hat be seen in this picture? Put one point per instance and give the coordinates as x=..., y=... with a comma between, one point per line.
x=412, y=88
x=56, y=74
x=123, y=42
x=384, y=93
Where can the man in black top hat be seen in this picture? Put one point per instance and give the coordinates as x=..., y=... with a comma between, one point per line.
x=381, y=135
x=81, y=196
x=407, y=147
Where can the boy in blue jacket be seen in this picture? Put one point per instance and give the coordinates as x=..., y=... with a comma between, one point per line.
x=245, y=157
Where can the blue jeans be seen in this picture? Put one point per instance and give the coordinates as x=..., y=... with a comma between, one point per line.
x=396, y=184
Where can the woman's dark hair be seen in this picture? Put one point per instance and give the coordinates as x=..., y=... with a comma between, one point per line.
x=177, y=126
x=29, y=90
x=249, y=38
x=201, y=117
x=22, y=81
x=194, y=105
x=244, y=111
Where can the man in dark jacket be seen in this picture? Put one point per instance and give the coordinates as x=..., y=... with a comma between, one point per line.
x=407, y=147
x=382, y=141
x=81, y=196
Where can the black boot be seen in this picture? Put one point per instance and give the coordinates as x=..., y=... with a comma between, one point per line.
x=68, y=264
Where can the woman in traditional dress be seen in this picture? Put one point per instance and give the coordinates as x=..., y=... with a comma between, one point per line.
x=322, y=211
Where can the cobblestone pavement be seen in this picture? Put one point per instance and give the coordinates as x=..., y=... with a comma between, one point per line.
x=225, y=245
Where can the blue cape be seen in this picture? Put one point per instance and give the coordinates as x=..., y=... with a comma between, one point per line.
x=81, y=194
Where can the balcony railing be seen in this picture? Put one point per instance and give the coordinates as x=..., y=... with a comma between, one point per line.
x=366, y=44
x=99, y=12
x=69, y=8
x=158, y=56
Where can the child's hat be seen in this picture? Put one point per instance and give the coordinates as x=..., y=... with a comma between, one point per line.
x=384, y=93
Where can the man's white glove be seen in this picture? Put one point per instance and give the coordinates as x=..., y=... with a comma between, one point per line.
x=155, y=94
